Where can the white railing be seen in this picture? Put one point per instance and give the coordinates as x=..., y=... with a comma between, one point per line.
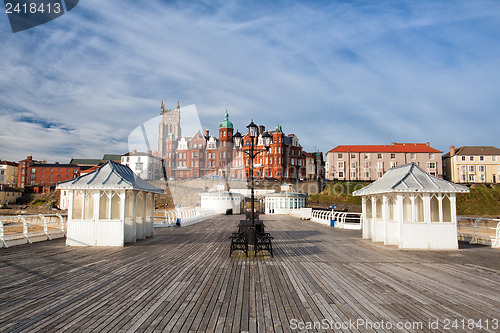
x=186, y=216
x=479, y=230
x=343, y=220
x=22, y=229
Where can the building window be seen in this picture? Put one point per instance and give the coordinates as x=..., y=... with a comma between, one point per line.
x=379, y=156
x=482, y=178
x=432, y=174
x=353, y=155
x=341, y=174
x=481, y=168
x=463, y=169
x=472, y=168
x=32, y=182
x=431, y=156
x=32, y=176
x=413, y=156
x=394, y=164
x=471, y=158
x=367, y=165
x=366, y=156
x=393, y=155
x=380, y=165
x=367, y=175
x=340, y=164
x=340, y=156
x=354, y=165
x=463, y=158
x=380, y=174
x=33, y=170
x=481, y=158
x=353, y=174
x=471, y=178
x=494, y=158
x=431, y=165
x=463, y=177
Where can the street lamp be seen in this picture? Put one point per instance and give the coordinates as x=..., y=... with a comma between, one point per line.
x=252, y=153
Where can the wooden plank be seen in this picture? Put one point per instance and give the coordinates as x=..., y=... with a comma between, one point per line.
x=183, y=280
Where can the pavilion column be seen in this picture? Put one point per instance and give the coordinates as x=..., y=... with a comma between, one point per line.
x=123, y=196
x=385, y=217
x=374, y=217
x=453, y=206
x=366, y=225
x=427, y=217
x=71, y=195
x=399, y=218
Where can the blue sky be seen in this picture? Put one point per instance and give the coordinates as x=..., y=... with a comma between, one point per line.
x=332, y=72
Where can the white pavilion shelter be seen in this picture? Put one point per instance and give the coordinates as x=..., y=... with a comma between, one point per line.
x=109, y=207
x=410, y=208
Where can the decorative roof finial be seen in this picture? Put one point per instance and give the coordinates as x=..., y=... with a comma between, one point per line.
x=178, y=105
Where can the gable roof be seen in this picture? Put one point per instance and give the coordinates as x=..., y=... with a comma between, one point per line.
x=392, y=148
x=475, y=150
x=109, y=176
x=410, y=178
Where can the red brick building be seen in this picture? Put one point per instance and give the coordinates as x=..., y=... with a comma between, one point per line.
x=42, y=177
x=210, y=156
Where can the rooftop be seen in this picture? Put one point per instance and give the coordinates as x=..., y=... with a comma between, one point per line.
x=475, y=150
x=392, y=148
x=111, y=175
x=183, y=280
x=410, y=178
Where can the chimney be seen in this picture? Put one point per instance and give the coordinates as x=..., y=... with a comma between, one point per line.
x=207, y=133
x=150, y=152
x=393, y=143
x=29, y=157
x=428, y=144
x=452, y=150
x=262, y=128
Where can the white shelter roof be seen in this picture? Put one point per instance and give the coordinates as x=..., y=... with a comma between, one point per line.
x=109, y=176
x=410, y=178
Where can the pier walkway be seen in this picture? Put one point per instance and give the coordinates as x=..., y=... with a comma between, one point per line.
x=321, y=279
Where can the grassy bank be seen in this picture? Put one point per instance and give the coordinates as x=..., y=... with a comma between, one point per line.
x=481, y=200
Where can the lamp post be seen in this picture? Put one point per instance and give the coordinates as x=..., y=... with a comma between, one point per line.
x=252, y=153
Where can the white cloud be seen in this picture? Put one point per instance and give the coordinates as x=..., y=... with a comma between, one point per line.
x=332, y=74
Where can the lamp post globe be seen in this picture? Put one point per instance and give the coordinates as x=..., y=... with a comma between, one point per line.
x=237, y=139
x=267, y=138
x=252, y=129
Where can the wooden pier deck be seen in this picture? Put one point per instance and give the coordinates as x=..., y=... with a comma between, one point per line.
x=183, y=280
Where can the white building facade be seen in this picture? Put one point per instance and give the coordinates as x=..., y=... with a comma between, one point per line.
x=145, y=165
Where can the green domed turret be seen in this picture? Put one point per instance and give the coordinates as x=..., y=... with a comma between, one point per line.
x=226, y=123
x=279, y=129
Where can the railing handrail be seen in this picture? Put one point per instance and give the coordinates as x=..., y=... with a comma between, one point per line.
x=495, y=240
x=341, y=218
x=34, y=220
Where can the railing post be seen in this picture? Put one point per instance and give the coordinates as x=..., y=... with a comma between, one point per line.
x=45, y=226
x=25, y=228
x=62, y=223
x=474, y=233
x=2, y=234
x=497, y=240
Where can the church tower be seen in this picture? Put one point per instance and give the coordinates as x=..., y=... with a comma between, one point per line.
x=169, y=128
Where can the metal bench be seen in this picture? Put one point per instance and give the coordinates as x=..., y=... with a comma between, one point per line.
x=263, y=243
x=239, y=241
